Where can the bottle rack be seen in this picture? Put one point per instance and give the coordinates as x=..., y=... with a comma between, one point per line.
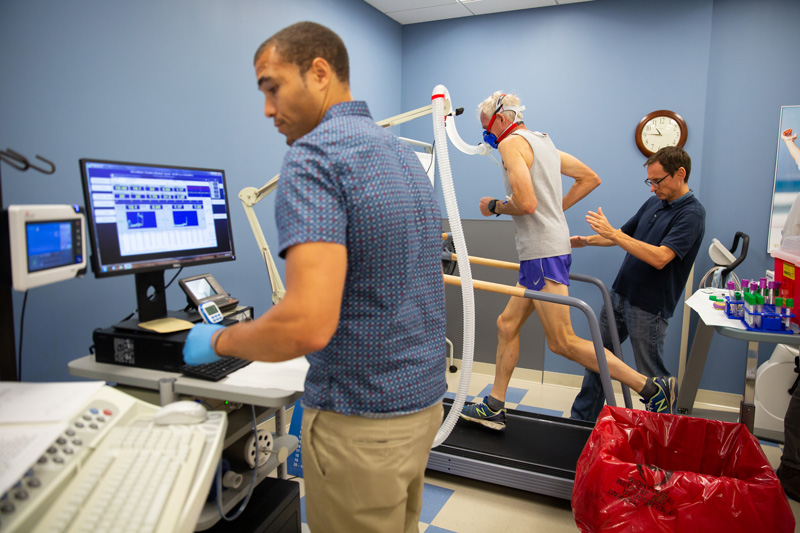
x=770, y=318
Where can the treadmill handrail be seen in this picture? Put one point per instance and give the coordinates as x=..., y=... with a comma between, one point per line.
x=615, y=344
x=594, y=326
x=626, y=393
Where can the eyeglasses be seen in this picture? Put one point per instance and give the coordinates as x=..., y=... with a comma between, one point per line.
x=656, y=183
x=499, y=107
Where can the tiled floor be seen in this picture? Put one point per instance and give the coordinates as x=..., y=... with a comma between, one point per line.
x=458, y=505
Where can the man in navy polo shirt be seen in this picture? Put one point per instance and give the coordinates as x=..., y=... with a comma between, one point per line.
x=662, y=240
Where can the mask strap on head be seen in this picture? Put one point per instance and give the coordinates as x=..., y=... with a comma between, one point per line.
x=517, y=109
x=499, y=105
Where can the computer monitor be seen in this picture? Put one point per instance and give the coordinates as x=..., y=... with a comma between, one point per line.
x=145, y=218
x=45, y=244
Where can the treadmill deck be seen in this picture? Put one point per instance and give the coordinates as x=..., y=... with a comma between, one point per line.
x=537, y=453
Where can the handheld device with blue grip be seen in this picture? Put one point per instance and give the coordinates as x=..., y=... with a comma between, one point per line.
x=210, y=313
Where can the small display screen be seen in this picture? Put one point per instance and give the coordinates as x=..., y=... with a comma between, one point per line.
x=200, y=288
x=51, y=245
x=211, y=309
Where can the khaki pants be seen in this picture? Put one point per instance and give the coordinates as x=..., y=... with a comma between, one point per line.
x=366, y=474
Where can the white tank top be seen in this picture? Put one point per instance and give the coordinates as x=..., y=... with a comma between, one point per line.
x=544, y=233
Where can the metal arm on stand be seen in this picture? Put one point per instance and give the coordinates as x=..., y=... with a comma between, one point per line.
x=405, y=117
x=250, y=196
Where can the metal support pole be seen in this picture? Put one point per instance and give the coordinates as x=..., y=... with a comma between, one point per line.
x=8, y=345
x=687, y=391
x=747, y=411
x=166, y=390
x=280, y=430
x=626, y=392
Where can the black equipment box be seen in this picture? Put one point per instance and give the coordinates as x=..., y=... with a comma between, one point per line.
x=140, y=349
x=128, y=345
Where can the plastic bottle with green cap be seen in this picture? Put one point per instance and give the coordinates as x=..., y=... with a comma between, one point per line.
x=748, y=308
x=781, y=310
x=759, y=309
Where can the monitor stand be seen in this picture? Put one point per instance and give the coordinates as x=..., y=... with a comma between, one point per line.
x=151, y=300
x=151, y=297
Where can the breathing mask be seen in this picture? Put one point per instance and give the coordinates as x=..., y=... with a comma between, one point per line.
x=490, y=138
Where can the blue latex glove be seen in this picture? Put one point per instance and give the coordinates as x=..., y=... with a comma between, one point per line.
x=197, y=349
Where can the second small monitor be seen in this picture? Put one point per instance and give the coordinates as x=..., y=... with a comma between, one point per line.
x=204, y=288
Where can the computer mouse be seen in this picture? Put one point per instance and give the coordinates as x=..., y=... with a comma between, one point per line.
x=183, y=412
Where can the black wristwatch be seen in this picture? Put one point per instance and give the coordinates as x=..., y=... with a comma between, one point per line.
x=492, y=205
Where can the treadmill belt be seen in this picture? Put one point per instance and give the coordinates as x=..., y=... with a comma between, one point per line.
x=533, y=442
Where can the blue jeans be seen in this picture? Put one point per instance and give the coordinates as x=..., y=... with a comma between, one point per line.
x=646, y=332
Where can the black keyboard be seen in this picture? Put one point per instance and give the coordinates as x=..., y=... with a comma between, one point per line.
x=215, y=371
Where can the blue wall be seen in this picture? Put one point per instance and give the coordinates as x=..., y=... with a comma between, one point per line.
x=155, y=81
x=751, y=74
x=172, y=82
x=588, y=72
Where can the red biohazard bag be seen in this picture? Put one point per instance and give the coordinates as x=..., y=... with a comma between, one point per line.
x=643, y=471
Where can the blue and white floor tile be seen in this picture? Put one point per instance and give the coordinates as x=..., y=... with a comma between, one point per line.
x=456, y=505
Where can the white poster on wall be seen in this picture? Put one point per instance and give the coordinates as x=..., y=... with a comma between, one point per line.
x=785, y=197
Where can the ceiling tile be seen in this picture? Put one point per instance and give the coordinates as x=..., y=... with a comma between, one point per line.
x=388, y=6
x=414, y=11
x=483, y=7
x=427, y=14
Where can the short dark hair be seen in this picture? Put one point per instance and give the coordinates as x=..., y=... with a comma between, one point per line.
x=303, y=42
x=671, y=158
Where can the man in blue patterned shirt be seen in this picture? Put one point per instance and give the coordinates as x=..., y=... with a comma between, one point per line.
x=360, y=230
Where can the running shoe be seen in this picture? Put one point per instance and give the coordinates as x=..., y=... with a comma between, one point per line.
x=482, y=414
x=665, y=400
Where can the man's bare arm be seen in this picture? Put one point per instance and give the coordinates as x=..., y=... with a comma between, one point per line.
x=586, y=179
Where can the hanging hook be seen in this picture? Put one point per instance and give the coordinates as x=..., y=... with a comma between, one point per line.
x=14, y=159
x=43, y=170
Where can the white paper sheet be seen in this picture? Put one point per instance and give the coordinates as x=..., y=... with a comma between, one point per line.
x=700, y=303
x=427, y=163
x=21, y=445
x=43, y=402
x=32, y=416
x=288, y=375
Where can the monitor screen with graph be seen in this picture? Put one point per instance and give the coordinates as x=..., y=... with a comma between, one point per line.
x=146, y=218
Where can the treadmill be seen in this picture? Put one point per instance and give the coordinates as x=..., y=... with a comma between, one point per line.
x=536, y=452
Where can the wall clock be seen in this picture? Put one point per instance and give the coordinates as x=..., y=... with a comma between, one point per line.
x=659, y=129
